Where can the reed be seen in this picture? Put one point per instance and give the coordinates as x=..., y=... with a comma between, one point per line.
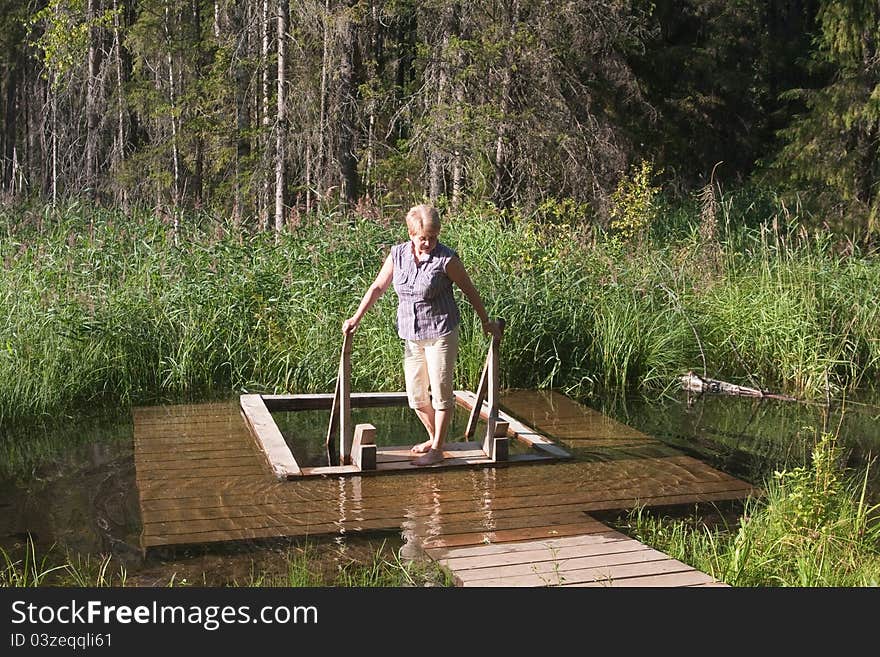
x=107, y=308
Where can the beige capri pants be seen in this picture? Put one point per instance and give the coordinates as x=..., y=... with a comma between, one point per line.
x=430, y=363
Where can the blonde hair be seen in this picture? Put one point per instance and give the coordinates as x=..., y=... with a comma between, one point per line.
x=422, y=217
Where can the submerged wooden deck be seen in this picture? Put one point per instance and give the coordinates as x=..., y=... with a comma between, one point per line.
x=201, y=478
x=257, y=412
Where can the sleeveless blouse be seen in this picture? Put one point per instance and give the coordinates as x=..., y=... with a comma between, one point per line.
x=426, y=306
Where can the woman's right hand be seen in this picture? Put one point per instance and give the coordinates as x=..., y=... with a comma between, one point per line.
x=349, y=325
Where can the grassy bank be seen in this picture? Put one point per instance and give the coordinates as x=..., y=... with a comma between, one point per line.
x=815, y=527
x=301, y=565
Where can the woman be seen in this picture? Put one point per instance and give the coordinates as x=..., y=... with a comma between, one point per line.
x=423, y=271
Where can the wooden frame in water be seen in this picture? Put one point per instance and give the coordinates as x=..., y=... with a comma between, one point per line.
x=257, y=412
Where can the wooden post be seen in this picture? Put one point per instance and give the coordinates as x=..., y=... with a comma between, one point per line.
x=340, y=410
x=363, y=447
x=345, y=429
x=495, y=452
x=500, y=443
x=333, y=427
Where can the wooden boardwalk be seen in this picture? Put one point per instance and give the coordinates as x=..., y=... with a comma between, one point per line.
x=201, y=478
x=603, y=557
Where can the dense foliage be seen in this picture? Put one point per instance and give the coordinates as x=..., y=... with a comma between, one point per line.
x=263, y=111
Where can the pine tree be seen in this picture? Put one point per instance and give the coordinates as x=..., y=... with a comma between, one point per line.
x=835, y=142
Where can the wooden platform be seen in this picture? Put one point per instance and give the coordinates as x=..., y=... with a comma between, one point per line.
x=257, y=412
x=202, y=478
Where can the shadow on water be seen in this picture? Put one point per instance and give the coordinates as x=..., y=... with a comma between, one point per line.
x=70, y=485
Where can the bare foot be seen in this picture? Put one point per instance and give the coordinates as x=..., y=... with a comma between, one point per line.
x=421, y=448
x=430, y=457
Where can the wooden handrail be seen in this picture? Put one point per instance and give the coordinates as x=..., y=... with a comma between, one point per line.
x=489, y=384
x=340, y=411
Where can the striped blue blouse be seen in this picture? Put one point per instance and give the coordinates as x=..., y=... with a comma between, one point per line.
x=426, y=307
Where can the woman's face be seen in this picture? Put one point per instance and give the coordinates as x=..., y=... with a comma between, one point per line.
x=424, y=240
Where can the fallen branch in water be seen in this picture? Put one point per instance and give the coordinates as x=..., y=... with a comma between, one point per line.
x=693, y=382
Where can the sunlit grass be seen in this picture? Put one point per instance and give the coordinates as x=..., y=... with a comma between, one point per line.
x=301, y=566
x=814, y=527
x=105, y=308
x=48, y=569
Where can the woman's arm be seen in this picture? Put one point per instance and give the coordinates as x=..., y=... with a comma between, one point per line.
x=458, y=275
x=376, y=290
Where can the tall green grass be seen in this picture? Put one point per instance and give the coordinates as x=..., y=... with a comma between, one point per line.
x=103, y=307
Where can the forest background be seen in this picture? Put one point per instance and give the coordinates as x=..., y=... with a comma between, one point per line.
x=262, y=111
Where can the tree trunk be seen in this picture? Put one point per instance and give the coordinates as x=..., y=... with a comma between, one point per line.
x=347, y=109
x=172, y=97
x=199, y=155
x=266, y=142
x=440, y=81
x=10, y=119
x=242, y=115
x=119, y=148
x=54, y=101
x=322, y=119
x=281, y=127
x=91, y=104
x=501, y=194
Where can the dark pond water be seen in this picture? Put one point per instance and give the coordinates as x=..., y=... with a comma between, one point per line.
x=70, y=485
x=306, y=431
x=749, y=437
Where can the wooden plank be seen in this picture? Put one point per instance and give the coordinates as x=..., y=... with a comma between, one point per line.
x=447, y=521
x=185, y=505
x=539, y=555
x=186, y=452
x=601, y=575
x=508, y=535
x=330, y=470
x=609, y=537
x=590, y=486
x=564, y=418
x=688, y=578
x=558, y=568
x=144, y=477
x=479, y=397
x=392, y=453
x=269, y=437
x=181, y=463
x=516, y=429
x=324, y=401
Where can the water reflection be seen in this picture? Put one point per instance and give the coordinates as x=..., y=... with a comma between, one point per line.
x=751, y=437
